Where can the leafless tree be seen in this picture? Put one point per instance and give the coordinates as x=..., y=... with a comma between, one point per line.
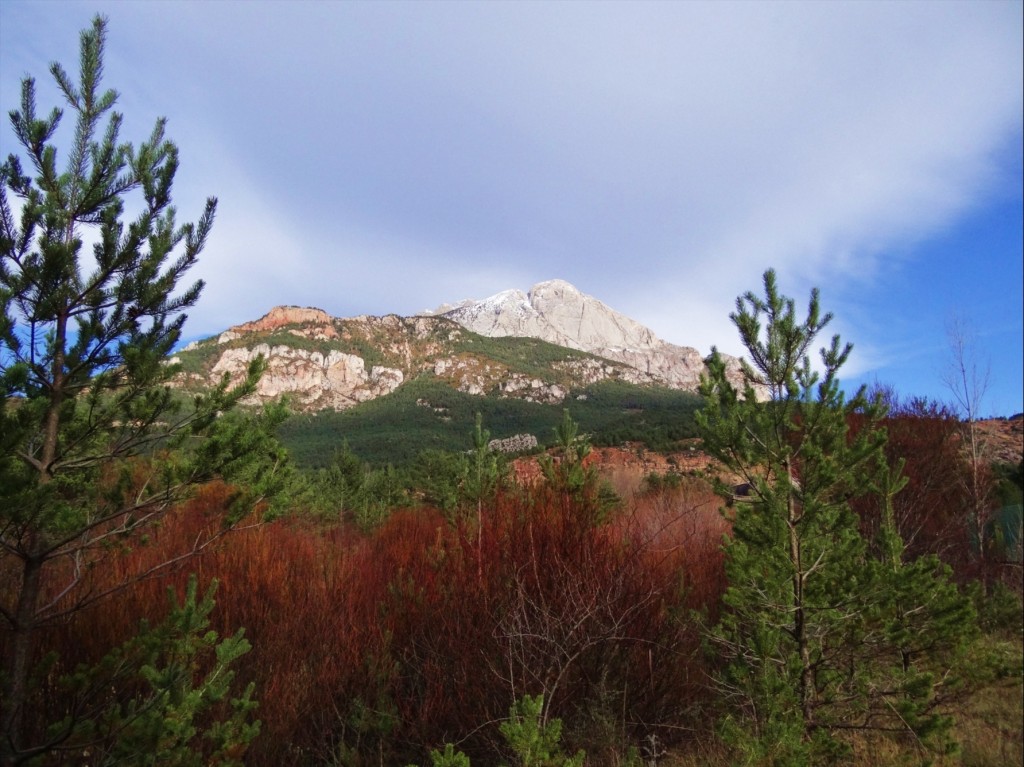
x=967, y=378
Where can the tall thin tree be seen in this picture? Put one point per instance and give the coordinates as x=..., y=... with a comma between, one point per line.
x=967, y=379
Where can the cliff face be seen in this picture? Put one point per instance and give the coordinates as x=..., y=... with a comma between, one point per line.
x=555, y=312
x=315, y=321
x=318, y=361
x=324, y=362
x=314, y=380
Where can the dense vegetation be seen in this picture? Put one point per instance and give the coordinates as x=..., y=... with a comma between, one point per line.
x=532, y=356
x=385, y=641
x=843, y=587
x=428, y=414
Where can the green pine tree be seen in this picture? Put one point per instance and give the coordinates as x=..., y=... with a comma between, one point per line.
x=535, y=738
x=815, y=630
x=567, y=474
x=144, y=702
x=485, y=472
x=94, y=444
x=483, y=477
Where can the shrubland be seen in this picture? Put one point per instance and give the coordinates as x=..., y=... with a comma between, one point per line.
x=379, y=643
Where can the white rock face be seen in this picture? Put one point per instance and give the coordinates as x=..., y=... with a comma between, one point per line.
x=557, y=312
x=336, y=380
x=552, y=311
x=586, y=323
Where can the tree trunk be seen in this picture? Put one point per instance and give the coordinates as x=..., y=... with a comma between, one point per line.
x=16, y=665
x=18, y=661
x=806, y=690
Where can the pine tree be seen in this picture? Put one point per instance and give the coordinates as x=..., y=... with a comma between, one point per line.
x=483, y=478
x=567, y=473
x=814, y=636
x=535, y=738
x=94, y=444
x=179, y=671
x=485, y=472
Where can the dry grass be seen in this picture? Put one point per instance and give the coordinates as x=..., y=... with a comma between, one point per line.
x=991, y=732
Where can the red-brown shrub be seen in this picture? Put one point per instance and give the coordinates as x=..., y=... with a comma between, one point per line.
x=384, y=645
x=932, y=511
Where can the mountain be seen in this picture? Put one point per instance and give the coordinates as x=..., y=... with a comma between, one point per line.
x=559, y=313
x=538, y=347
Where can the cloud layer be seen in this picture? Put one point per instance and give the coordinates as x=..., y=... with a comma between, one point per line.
x=375, y=157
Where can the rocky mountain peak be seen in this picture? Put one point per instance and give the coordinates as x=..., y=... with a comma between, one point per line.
x=554, y=311
x=558, y=312
x=558, y=289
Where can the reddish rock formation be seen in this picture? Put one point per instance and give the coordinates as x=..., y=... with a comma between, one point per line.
x=280, y=316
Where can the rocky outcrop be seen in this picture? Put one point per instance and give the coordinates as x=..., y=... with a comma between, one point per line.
x=474, y=376
x=301, y=322
x=282, y=316
x=314, y=380
x=517, y=443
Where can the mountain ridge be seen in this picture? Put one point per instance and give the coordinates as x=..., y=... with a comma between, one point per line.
x=555, y=311
x=537, y=346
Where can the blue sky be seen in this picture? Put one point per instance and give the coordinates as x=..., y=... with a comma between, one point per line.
x=390, y=157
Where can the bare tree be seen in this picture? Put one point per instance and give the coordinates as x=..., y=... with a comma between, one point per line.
x=967, y=378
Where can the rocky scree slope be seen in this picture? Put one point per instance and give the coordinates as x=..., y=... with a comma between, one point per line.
x=536, y=347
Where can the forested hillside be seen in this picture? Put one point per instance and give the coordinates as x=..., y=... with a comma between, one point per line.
x=427, y=414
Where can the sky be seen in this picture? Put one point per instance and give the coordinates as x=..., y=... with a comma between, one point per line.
x=389, y=157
